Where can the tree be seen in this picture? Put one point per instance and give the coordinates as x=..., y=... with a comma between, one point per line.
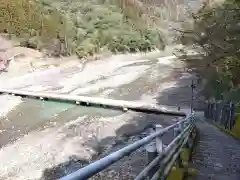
x=216, y=30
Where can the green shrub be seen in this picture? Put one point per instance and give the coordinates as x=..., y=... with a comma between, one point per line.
x=83, y=27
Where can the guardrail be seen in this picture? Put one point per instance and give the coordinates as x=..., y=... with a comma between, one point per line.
x=161, y=157
x=223, y=114
x=226, y=116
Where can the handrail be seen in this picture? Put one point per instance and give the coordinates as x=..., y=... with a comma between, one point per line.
x=163, y=171
x=164, y=161
x=151, y=165
x=185, y=126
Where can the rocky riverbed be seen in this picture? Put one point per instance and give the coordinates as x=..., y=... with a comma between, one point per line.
x=46, y=140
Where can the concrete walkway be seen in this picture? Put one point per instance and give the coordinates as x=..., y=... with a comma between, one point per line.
x=217, y=156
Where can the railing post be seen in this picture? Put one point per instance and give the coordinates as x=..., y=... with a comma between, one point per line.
x=176, y=132
x=190, y=141
x=151, y=154
x=159, y=143
x=153, y=149
x=233, y=113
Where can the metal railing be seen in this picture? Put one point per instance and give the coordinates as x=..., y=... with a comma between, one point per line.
x=221, y=113
x=161, y=158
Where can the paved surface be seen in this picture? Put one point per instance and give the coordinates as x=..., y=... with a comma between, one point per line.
x=217, y=156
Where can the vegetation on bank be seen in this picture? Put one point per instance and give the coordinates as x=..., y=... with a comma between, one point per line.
x=215, y=31
x=85, y=27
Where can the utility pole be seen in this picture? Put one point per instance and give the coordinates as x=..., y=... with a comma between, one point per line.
x=193, y=86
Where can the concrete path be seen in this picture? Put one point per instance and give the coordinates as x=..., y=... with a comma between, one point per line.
x=217, y=156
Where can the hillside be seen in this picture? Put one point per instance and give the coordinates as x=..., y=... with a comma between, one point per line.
x=82, y=27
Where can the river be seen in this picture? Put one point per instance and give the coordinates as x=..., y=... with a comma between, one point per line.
x=36, y=136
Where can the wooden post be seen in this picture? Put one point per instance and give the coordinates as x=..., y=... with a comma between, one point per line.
x=233, y=115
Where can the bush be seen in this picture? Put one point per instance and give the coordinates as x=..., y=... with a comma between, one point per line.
x=87, y=27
